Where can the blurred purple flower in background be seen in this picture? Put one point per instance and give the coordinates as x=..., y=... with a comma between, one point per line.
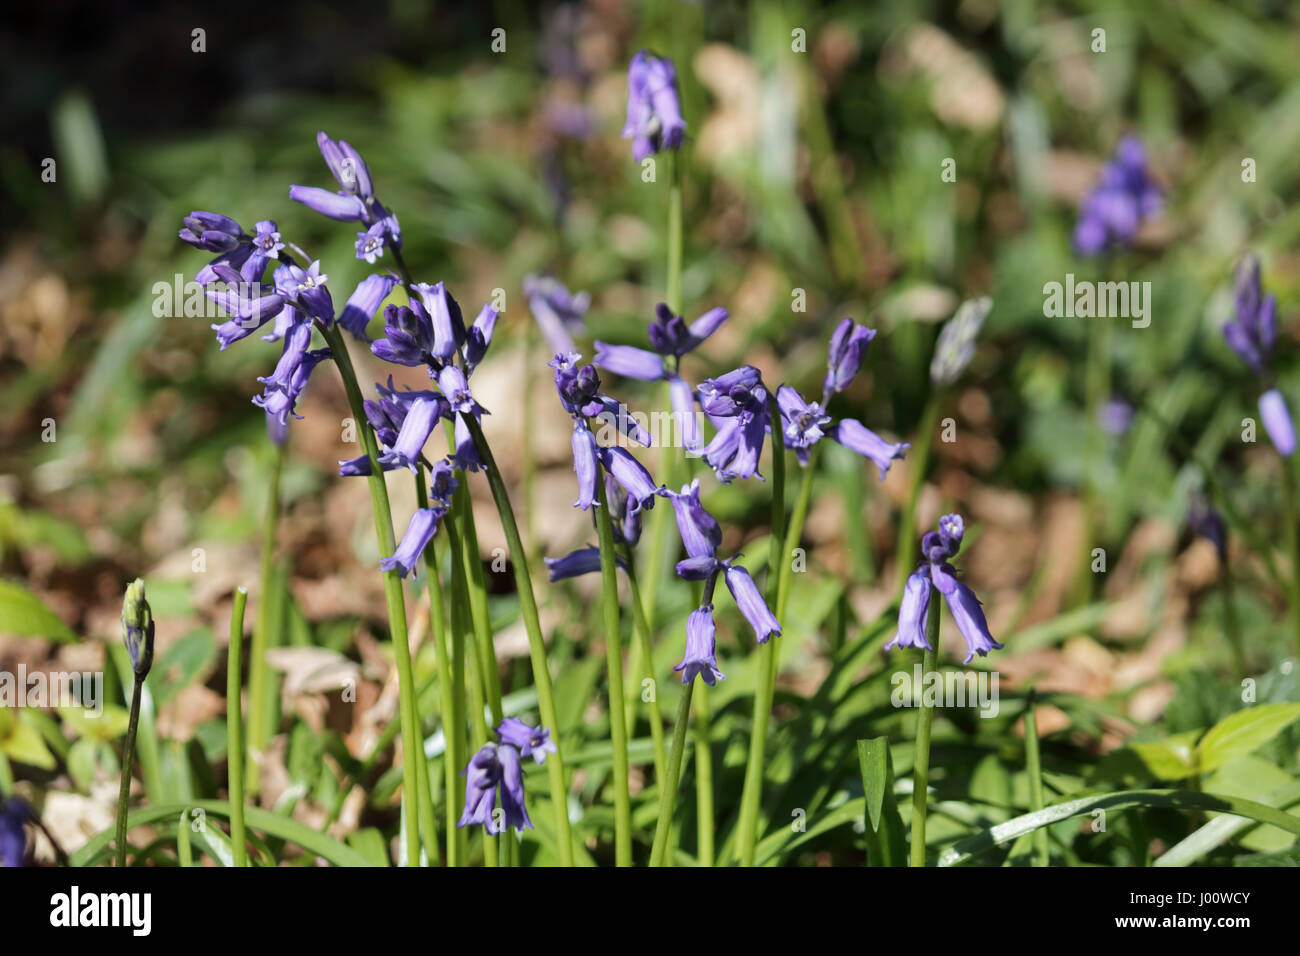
x=1206, y=522
x=558, y=311
x=654, y=108
x=1123, y=198
x=1251, y=334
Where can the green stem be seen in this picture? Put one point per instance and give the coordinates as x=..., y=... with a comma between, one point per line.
x=128, y=758
x=438, y=630
x=794, y=531
x=536, y=645
x=752, y=793
x=1034, y=767
x=392, y=583
x=703, y=780
x=1292, y=543
x=925, y=720
x=674, y=283
x=646, y=656
x=920, y=457
x=235, y=755
x=479, y=611
x=1231, y=625
x=668, y=787
x=260, y=703
x=614, y=663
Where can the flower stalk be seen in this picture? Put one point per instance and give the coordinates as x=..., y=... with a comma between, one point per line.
x=614, y=664
x=235, y=755
x=924, y=724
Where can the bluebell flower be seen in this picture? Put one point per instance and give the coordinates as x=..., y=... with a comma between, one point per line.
x=844, y=356
x=671, y=339
x=355, y=201
x=445, y=319
x=305, y=289
x=419, y=532
x=478, y=337
x=737, y=404
x=558, y=311
x=14, y=816
x=496, y=772
x=211, y=232
x=806, y=423
x=1251, y=335
x=1125, y=196
x=530, y=741
x=422, y=416
x=279, y=402
x=701, y=537
x=936, y=548
x=578, y=387
x=577, y=563
x=701, y=649
x=654, y=107
x=363, y=303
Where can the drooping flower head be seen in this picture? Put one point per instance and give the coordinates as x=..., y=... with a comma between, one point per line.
x=701, y=650
x=737, y=404
x=1123, y=198
x=530, y=741
x=654, y=108
x=844, y=356
x=496, y=772
x=578, y=387
x=354, y=202
x=558, y=311
x=937, y=547
x=701, y=537
x=671, y=338
x=805, y=423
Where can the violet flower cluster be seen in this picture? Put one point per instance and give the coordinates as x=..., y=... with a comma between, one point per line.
x=701, y=536
x=1122, y=200
x=496, y=773
x=1251, y=334
x=671, y=338
x=937, y=547
x=805, y=423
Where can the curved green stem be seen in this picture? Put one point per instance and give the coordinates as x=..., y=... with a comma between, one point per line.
x=703, y=780
x=924, y=724
x=392, y=584
x=536, y=644
x=668, y=786
x=235, y=728
x=438, y=631
x=1034, y=768
x=1292, y=538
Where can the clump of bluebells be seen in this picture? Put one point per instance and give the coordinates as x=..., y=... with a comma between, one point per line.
x=934, y=570
x=805, y=423
x=1251, y=334
x=495, y=773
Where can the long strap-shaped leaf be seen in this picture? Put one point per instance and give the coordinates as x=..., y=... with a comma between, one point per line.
x=965, y=850
x=273, y=824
